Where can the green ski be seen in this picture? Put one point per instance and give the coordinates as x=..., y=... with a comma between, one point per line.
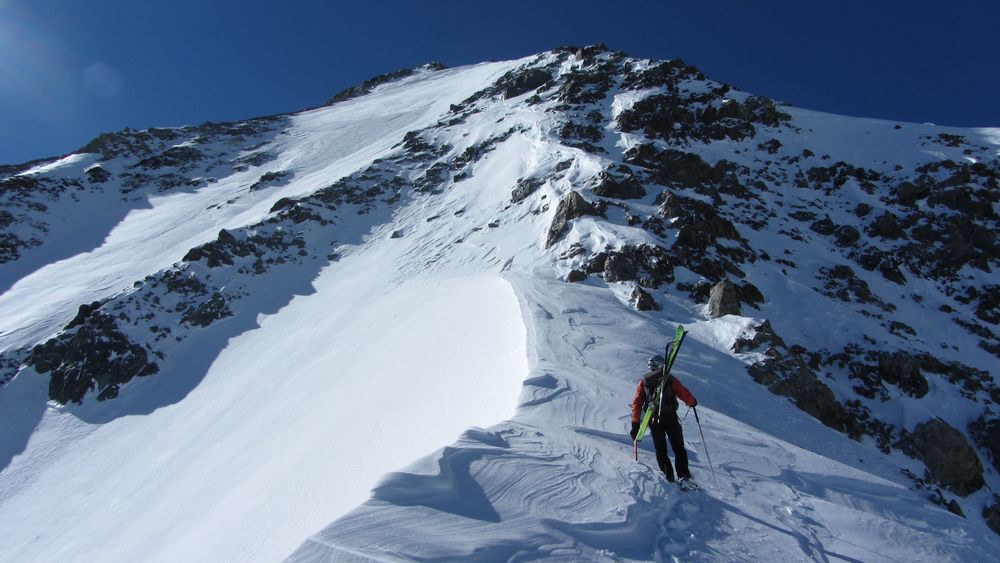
x=671, y=353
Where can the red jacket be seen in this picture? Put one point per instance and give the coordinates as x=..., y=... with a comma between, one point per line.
x=680, y=391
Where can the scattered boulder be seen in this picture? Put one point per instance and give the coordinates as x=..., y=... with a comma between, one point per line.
x=908, y=193
x=949, y=458
x=824, y=226
x=846, y=235
x=643, y=301
x=576, y=276
x=571, y=207
x=724, y=299
x=524, y=188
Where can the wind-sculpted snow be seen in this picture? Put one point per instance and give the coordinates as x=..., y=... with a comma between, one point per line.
x=331, y=311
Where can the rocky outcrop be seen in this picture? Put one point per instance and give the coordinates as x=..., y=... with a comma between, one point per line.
x=97, y=355
x=985, y=430
x=643, y=301
x=785, y=374
x=903, y=370
x=622, y=184
x=571, y=207
x=949, y=458
x=368, y=85
x=524, y=188
x=650, y=266
x=724, y=299
x=756, y=336
x=991, y=513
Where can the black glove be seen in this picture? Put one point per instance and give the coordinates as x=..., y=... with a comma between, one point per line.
x=635, y=430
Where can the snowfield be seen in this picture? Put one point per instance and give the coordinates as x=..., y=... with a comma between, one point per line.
x=291, y=427
x=416, y=380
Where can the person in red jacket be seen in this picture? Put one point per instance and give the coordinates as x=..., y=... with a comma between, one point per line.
x=664, y=424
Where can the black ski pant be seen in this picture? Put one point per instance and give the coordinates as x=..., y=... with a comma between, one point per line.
x=669, y=428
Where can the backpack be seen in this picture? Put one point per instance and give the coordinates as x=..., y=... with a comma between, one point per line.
x=668, y=401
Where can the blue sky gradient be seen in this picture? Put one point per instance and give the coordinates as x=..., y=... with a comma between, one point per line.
x=70, y=70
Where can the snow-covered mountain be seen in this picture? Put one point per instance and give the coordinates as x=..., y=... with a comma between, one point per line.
x=408, y=325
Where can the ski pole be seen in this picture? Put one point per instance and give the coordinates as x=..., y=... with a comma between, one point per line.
x=705, y=445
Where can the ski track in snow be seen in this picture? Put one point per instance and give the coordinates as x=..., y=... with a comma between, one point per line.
x=405, y=344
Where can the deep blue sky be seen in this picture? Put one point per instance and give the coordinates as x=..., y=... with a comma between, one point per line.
x=70, y=70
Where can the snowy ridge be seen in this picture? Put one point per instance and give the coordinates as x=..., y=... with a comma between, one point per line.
x=278, y=322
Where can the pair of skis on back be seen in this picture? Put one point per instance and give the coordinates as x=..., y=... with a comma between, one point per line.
x=671, y=354
x=655, y=403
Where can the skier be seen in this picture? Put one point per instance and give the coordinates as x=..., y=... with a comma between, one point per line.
x=664, y=424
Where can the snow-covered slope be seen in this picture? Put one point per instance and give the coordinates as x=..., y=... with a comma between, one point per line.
x=350, y=334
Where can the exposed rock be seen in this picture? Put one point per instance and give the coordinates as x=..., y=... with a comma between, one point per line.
x=650, y=265
x=96, y=355
x=368, y=85
x=760, y=334
x=619, y=267
x=269, y=179
x=672, y=167
x=82, y=314
x=843, y=284
x=787, y=375
x=908, y=193
x=208, y=312
x=576, y=276
x=627, y=186
x=846, y=235
x=902, y=370
x=886, y=226
x=701, y=291
x=988, y=308
x=724, y=299
x=985, y=430
x=991, y=513
x=525, y=187
x=98, y=175
x=824, y=226
x=521, y=81
x=643, y=301
x=571, y=207
x=174, y=156
x=949, y=458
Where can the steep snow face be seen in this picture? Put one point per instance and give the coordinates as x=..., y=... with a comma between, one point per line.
x=329, y=299
x=291, y=426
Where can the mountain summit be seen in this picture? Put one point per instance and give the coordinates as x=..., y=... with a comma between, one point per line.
x=408, y=325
